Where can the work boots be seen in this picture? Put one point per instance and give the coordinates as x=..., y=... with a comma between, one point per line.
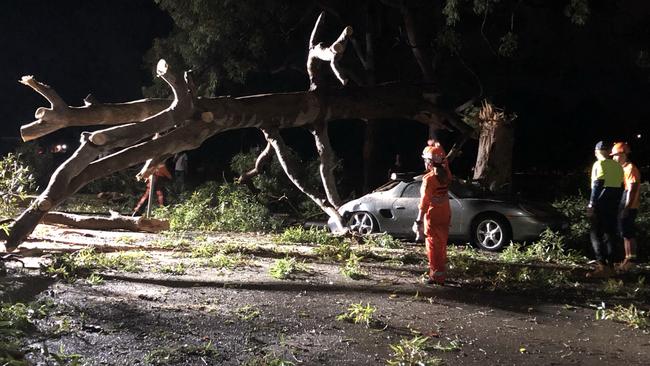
x=601, y=271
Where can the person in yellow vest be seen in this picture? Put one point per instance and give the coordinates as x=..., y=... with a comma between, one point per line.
x=629, y=204
x=606, y=192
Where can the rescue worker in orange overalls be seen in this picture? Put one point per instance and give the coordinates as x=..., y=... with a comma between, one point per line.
x=162, y=177
x=434, y=213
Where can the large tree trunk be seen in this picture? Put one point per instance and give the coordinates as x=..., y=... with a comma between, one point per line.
x=494, y=161
x=188, y=121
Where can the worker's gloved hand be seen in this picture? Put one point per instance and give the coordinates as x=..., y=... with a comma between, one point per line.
x=418, y=229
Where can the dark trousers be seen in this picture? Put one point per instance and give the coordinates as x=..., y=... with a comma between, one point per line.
x=604, y=227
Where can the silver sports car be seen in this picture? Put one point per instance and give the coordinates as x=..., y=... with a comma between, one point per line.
x=489, y=222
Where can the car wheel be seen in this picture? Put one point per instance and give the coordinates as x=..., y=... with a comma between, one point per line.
x=362, y=223
x=491, y=233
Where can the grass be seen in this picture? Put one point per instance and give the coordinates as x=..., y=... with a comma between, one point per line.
x=173, y=240
x=69, y=266
x=69, y=359
x=511, y=277
x=285, y=268
x=205, y=250
x=247, y=313
x=352, y=268
x=270, y=359
x=174, y=270
x=15, y=320
x=383, y=240
x=631, y=316
x=300, y=235
x=359, y=314
x=221, y=261
x=412, y=352
x=613, y=286
x=334, y=250
x=95, y=279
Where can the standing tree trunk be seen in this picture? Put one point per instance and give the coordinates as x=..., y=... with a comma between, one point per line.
x=494, y=161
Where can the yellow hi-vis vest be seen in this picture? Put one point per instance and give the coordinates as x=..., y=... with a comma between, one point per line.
x=609, y=171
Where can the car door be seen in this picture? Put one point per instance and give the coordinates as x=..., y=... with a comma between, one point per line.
x=405, y=210
x=456, y=224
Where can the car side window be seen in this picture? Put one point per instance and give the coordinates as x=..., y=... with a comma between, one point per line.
x=412, y=190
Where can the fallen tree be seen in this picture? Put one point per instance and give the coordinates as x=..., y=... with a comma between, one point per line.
x=187, y=120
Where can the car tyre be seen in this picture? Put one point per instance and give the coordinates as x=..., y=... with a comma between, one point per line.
x=491, y=232
x=363, y=223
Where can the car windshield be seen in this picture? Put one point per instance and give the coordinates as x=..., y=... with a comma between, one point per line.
x=387, y=186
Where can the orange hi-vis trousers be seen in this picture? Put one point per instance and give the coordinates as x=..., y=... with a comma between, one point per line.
x=436, y=228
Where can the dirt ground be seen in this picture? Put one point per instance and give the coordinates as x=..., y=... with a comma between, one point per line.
x=201, y=315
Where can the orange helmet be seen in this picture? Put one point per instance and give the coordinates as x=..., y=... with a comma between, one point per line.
x=434, y=152
x=620, y=148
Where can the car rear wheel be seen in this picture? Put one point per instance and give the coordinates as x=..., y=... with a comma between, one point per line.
x=491, y=233
x=362, y=222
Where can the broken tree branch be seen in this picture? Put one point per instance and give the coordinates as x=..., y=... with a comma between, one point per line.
x=329, y=54
x=262, y=160
x=114, y=222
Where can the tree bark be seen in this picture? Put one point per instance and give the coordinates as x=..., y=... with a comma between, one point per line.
x=494, y=161
x=115, y=221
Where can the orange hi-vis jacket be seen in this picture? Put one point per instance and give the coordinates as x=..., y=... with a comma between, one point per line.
x=434, y=201
x=632, y=176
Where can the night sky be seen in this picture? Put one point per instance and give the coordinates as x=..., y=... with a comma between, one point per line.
x=77, y=47
x=82, y=47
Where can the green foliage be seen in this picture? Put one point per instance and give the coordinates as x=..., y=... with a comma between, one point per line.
x=122, y=181
x=69, y=266
x=178, y=355
x=578, y=11
x=227, y=207
x=227, y=261
x=631, y=315
x=613, y=286
x=466, y=260
x=509, y=44
x=335, y=249
x=175, y=270
x=548, y=249
x=16, y=181
x=15, y=320
x=451, y=12
x=383, y=240
x=520, y=278
x=218, y=38
x=574, y=208
x=38, y=160
x=269, y=359
x=352, y=268
x=412, y=352
x=276, y=190
x=63, y=358
x=300, y=235
x=359, y=314
x=95, y=279
x=284, y=268
x=247, y=313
